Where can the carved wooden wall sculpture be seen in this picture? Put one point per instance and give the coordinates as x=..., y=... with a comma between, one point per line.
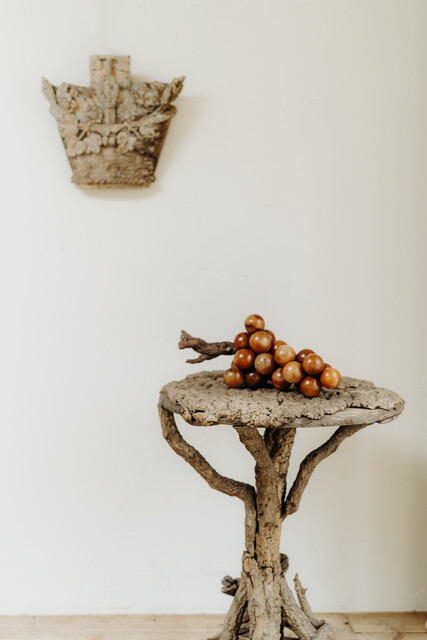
x=114, y=130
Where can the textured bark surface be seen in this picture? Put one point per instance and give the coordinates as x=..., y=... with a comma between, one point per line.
x=264, y=607
x=203, y=399
x=207, y=350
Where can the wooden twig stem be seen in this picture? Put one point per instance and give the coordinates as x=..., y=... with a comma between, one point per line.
x=309, y=464
x=245, y=492
x=207, y=350
x=302, y=599
x=221, y=483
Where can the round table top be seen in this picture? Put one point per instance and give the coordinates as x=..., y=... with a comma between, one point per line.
x=203, y=399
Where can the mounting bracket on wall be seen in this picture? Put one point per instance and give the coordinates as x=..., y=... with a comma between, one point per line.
x=114, y=130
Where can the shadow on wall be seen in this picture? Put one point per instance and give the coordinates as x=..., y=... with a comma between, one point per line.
x=189, y=109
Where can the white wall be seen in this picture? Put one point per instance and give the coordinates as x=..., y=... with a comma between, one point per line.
x=292, y=184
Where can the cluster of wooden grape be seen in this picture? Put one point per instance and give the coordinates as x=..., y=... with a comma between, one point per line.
x=261, y=360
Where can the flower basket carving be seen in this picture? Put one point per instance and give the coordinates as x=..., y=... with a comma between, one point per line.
x=114, y=130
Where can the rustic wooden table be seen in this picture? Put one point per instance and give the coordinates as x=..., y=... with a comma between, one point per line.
x=264, y=607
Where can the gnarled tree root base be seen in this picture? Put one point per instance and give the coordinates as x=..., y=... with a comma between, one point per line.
x=264, y=607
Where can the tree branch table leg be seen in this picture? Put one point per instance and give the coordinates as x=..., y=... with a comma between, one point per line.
x=264, y=605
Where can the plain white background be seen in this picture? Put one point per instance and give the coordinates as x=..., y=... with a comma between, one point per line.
x=292, y=184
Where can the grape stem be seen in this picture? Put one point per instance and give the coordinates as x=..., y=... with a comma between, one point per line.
x=207, y=350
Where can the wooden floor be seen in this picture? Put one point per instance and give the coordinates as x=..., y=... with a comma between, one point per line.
x=351, y=626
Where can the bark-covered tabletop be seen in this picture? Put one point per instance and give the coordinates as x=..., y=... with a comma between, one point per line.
x=203, y=399
x=264, y=606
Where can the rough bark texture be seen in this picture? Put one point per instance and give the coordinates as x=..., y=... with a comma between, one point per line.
x=207, y=350
x=264, y=606
x=203, y=399
x=114, y=130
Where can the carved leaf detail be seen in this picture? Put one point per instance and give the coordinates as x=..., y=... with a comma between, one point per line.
x=149, y=98
x=88, y=109
x=69, y=135
x=80, y=102
x=172, y=90
x=63, y=96
x=49, y=92
x=93, y=143
x=148, y=127
x=76, y=148
x=125, y=142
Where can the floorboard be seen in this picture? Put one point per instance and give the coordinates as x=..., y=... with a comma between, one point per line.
x=351, y=626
